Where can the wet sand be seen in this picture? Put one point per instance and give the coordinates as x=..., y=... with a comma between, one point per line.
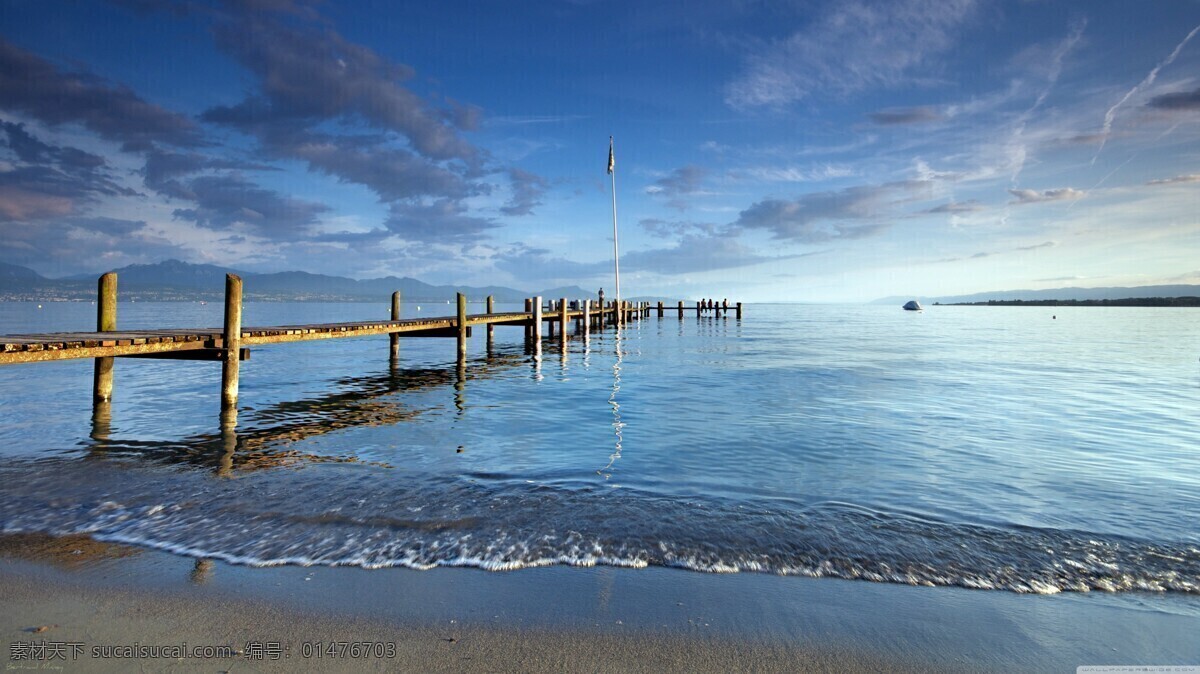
x=562, y=619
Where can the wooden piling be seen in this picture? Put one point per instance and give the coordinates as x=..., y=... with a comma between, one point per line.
x=491, y=329
x=395, y=338
x=660, y=309
x=739, y=311
x=537, y=319
x=587, y=317
x=699, y=305
x=106, y=321
x=233, y=341
x=462, y=328
x=562, y=321
x=681, y=310
x=528, y=310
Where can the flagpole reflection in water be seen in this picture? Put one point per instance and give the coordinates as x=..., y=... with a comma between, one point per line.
x=618, y=425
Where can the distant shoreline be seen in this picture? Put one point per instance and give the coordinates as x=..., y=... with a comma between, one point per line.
x=1127, y=302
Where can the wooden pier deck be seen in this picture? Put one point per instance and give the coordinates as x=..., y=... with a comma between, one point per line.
x=230, y=343
x=65, y=345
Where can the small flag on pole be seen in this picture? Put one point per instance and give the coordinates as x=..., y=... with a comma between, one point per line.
x=611, y=162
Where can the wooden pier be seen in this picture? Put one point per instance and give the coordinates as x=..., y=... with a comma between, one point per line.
x=230, y=344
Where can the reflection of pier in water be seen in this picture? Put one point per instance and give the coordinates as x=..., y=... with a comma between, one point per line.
x=361, y=401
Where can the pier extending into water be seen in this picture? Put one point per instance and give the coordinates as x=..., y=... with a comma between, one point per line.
x=230, y=344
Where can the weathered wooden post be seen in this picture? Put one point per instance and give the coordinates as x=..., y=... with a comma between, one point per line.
x=528, y=326
x=681, y=310
x=549, y=321
x=232, y=341
x=462, y=328
x=699, y=304
x=660, y=309
x=562, y=321
x=739, y=311
x=537, y=319
x=725, y=307
x=587, y=317
x=106, y=321
x=395, y=337
x=491, y=329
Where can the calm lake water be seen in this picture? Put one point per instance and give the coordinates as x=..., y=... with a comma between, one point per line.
x=992, y=448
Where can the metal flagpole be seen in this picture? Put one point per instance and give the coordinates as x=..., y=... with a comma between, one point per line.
x=612, y=171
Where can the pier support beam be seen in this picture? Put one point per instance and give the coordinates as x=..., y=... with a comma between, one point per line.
x=739, y=311
x=106, y=321
x=233, y=342
x=587, y=317
x=395, y=338
x=491, y=329
x=528, y=327
x=699, y=305
x=461, y=324
x=660, y=309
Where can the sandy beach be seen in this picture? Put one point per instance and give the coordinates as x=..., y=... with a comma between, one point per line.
x=76, y=590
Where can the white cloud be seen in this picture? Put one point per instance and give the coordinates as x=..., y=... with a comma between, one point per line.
x=795, y=174
x=856, y=46
x=1177, y=180
x=1034, y=196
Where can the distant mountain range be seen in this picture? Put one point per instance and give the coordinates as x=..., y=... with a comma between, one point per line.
x=175, y=280
x=1054, y=294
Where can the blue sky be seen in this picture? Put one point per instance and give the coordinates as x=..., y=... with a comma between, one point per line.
x=810, y=151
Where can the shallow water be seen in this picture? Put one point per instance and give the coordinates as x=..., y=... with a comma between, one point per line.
x=987, y=447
